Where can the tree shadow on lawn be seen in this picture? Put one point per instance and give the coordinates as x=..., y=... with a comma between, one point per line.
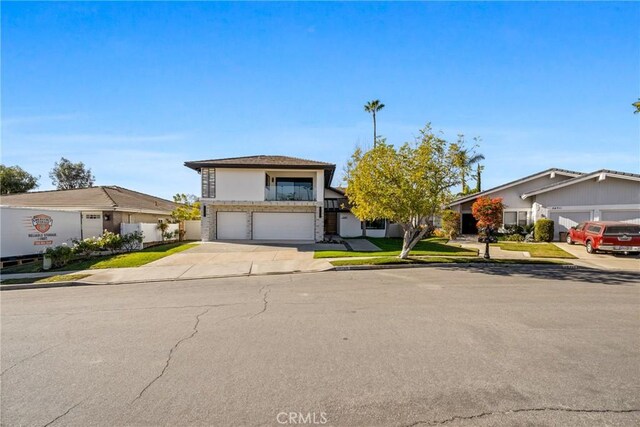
x=552, y=272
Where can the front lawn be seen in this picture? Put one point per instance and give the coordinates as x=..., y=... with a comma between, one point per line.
x=436, y=260
x=433, y=246
x=537, y=250
x=132, y=259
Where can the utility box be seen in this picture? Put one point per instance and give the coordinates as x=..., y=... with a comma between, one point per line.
x=30, y=231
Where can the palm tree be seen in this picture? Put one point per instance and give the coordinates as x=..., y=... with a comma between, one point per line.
x=373, y=107
x=479, y=170
x=465, y=159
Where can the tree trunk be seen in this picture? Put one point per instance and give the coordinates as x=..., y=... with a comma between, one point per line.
x=411, y=237
x=463, y=178
x=375, y=136
x=364, y=228
x=478, y=178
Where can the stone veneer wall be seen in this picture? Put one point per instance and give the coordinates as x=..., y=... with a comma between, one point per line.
x=208, y=229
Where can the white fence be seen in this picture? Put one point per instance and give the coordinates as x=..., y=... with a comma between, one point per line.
x=150, y=231
x=192, y=230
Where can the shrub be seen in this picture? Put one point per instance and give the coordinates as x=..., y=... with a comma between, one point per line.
x=60, y=255
x=451, y=223
x=111, y=241
x=513, y=238
x=86, y=247
x=514, y=229
x=543, y=231
x=439, y=232
x=132, y=241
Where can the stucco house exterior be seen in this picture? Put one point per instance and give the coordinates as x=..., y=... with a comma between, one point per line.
x=101, y=207
x=272, y=197
x=567, y=197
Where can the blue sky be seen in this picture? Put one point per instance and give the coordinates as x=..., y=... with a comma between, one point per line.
x=135, y=89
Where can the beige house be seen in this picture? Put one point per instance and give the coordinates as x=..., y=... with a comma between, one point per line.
x=101, y=207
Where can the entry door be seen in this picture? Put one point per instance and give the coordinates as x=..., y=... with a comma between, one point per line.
x=469, y=224
x=331, y=223
x=91, y=224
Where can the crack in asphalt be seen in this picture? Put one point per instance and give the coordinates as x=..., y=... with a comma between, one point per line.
x=61, y=415
x=29, y=358
x=264, y=301
x=513, y=411
x=172, y=351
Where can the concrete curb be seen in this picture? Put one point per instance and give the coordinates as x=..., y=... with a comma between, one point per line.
x=461, y=264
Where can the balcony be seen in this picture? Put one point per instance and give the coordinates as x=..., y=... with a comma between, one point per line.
x=295, y=194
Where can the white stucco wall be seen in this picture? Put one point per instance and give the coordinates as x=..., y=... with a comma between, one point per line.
x=240, y=184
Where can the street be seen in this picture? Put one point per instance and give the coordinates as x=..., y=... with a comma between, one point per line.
x=446, y=345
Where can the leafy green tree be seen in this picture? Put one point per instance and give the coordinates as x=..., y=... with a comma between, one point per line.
x=408, y=185
x=188, y=207
x=67, y=175
x=373, y=107
x=14, y=179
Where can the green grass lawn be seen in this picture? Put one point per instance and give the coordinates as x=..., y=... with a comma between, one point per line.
x=436, y=260
x=133, y=259
x=391, y=247
x=537, y=250
x=51, y=279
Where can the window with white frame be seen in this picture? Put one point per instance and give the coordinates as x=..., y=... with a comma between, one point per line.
x=514, y=218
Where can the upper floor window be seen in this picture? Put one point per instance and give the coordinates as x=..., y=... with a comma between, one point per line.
x=294, y=189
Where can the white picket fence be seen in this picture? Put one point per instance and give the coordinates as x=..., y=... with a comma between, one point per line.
x=150, y=231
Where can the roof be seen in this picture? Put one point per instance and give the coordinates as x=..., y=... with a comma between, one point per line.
x=600, y=174
x=265, y=161
x=516, y=182
x=100, y=198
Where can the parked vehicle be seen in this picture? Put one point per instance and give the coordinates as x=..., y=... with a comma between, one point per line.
x=606, y=236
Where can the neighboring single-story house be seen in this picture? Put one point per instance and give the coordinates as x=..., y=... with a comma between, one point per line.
x=102, y=207
x=566, y=197
x=270, y=197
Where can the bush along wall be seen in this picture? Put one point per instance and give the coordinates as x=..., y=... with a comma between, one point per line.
x=543, y=230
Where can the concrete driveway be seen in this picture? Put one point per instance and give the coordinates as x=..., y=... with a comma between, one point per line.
x=248, y=257
x=452, y=345
x=604, y=261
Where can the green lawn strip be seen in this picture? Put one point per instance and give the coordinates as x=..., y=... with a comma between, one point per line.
x=391, y=247
x=50, y=279
x=439, y=260
x=536, y=250
x=133, y=259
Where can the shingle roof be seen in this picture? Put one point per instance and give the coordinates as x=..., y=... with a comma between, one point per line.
x=583, y=177
x=260, y=161
x=265, y=161
x=516, y=182
x=100, y=197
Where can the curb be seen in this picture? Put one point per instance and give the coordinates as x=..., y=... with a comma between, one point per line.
x=462, y=264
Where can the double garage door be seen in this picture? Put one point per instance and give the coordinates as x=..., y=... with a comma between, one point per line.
x=266, y=226
x=631, y=216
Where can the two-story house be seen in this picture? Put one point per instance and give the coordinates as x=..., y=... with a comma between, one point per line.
x=263, y=198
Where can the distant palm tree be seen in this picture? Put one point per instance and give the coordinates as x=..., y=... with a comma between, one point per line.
x=637, y=106
x=373, y=107
x=465, y=159
x=479, y=170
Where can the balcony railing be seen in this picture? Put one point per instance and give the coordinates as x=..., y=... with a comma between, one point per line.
x=297, y=194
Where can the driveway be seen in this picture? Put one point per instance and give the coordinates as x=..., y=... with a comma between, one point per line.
x=463, y=346
x=221, y=259
x=604, y=261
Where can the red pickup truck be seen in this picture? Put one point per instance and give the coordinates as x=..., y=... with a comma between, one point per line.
x=606, y=236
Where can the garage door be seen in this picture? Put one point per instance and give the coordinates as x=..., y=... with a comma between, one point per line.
x=232, y=225
x=91, y=224
x=283, y=226
x=632, y=216
x=563, y=221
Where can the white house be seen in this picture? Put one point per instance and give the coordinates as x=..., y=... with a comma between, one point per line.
x=566, y=197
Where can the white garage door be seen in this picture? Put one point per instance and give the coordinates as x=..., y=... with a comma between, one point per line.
x=91, y=224
x=283, y=226
x=231, y=225
x=632, y=216
x=563, y=221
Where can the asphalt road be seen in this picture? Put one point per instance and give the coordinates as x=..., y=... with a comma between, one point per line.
x=447, y=345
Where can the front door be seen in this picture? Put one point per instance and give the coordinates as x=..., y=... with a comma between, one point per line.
x=469, y=224
x=331, y=223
